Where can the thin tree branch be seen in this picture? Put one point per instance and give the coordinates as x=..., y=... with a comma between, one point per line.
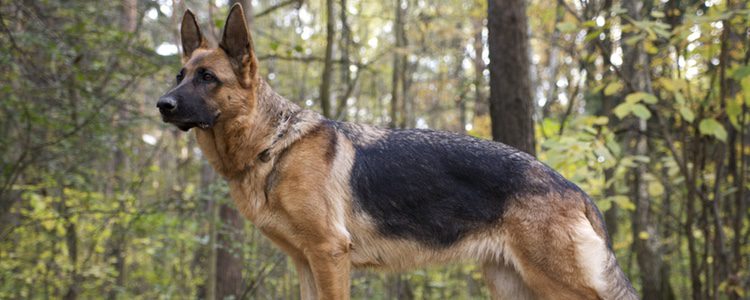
x=279, y=5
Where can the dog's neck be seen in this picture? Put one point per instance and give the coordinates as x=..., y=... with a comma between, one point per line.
x=237, y=144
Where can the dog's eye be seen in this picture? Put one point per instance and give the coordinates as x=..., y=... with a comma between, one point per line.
x=180, y=76
x=208, y=77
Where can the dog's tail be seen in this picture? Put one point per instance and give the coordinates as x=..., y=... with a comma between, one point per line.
x=617, y=284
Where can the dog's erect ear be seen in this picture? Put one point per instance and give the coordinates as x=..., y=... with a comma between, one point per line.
x=238, y=45
x=191, y=35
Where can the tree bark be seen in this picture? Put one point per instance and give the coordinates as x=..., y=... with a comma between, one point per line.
x=397, y=83
x=207, y=177
x=325, y=84
x=229, y=254
x=511, y=104
x=646, y=238
x=345, y=43
x=117, y=243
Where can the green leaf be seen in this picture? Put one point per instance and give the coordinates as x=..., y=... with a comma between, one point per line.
x=641, y=96
x=612, y=88
x=566, y=27
x=734, y=110
x=668, y=84
x=714, y=128
x=604, y=205
x=741, y=73
x=655, y=188
x=589, y=23
x=640, y=111
x=687, y=114
x=650, y=98
x=600, y=120
x=631, y=41
x=657, y=14
x=745, y=83
x=550, y=126
x=622, y=110
x=624, y=202
x=679, y=98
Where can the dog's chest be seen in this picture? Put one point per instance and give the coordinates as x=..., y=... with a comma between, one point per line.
x=250, y=200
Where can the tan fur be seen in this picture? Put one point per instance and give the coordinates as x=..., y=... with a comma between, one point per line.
x=505, y=283
x=289, y=174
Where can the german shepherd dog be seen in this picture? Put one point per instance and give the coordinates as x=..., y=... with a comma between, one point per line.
x=336, y=196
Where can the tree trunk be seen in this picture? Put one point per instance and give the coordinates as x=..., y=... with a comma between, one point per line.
x=407, y=109
x=511, y=104
x=229, y=264
x=207, y=177
x=345, y=43
x=325, y=84
x=117, y=243
x=398, y=105
x=646, y=239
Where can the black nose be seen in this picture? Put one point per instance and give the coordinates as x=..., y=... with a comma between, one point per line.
x=166, y=104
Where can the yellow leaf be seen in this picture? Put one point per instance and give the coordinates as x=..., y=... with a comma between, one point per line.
x=687, y=114
x=566, y=27
x=643, y=235
x=655, y=188
x=600, y=120
x=48, y=224
x=668, y=84
x=624, y=203
x=612, y=88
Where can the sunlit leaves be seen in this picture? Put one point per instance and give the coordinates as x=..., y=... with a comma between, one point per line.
x=713, y=128
x=655, y=188
x=567, y=27
x=687, y=114
x=613, y=88
x=641, y=112
x=637, y=109
x=633, y=105
x=641, y=96
x=624, y=202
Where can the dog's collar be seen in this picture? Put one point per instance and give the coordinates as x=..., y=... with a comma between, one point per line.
x=290, y=127
x=286, y=122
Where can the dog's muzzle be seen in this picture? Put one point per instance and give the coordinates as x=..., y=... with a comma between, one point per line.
x=166, y=105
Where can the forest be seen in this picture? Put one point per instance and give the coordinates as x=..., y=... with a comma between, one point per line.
x=641, y=103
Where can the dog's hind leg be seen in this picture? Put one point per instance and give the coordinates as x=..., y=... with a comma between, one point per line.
x=547, y=264
x=505, y=283
x=561, y=256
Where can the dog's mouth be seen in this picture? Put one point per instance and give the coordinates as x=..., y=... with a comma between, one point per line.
x=186, y=125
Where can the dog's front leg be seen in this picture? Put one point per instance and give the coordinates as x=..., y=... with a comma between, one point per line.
x=306, y=280
x=330, y=264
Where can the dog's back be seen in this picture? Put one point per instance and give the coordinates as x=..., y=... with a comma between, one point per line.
x=429, y=197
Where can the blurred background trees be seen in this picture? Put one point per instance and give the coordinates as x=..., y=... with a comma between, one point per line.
x=644, y=104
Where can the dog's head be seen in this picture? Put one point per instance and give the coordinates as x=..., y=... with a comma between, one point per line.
x=213, y=84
